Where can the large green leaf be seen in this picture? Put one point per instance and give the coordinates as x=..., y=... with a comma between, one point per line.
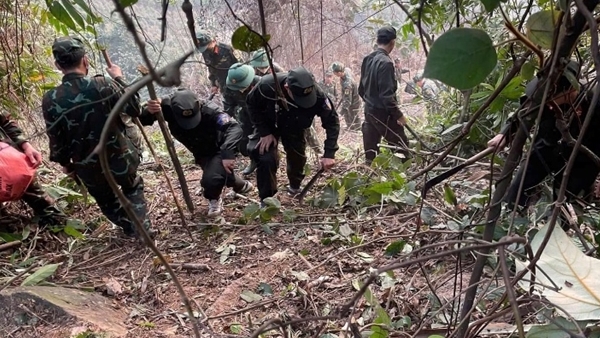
x=40, y=275
x=461, y=58
x=75, y=15
x=540, y=27
x=564, y=265
x=246, y=40
x=126, y=3
x=61, y=14
x=561, y=330
x=490, y=5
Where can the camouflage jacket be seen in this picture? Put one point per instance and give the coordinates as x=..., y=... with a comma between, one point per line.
x=234, y=99
x=9, y=132
x=218, y=62
x=429, y=89
x=350, y=97
x=330, y=90
x=76, y=112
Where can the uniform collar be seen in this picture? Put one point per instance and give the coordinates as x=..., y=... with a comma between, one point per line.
x=72, y=76
x=383, y=51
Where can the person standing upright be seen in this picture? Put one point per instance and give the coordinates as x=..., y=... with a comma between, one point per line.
x=377, y=88
x=218, y=57
x=350, y=103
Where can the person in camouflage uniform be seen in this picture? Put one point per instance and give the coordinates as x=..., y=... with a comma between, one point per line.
x=35, y=196
x=429, y=90
x=328, y=86
x=240, y=80
x=75, y=113
x=350, y=104
x=218, y=58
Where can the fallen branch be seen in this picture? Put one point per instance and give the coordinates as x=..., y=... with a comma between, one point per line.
x=170, y=146
x=10, y=245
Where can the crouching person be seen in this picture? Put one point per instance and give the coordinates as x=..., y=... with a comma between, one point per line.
x=41, y=204
x=210, y=134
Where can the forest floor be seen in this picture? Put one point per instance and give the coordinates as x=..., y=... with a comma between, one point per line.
x=239, y=276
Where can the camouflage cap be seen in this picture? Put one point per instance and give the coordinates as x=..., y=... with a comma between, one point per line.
x=329, y=73
x=239, y=76
x=68, y=49
x=337, y=67
x=419, y=76
x=259, y=59
x=204, y=38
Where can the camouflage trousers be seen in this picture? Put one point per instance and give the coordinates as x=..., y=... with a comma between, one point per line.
x=42, y=205
x=352, y=119
x=311, y=138
x=132, y=187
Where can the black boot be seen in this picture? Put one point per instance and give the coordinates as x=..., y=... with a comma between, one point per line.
x=250, y=168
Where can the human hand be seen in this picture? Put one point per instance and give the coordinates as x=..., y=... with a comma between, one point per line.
x=114, y=71
x=265, y=143
x=153, y=106
x=498, y=142
x=214, y=90
x=327, y=163
x=32, y=154
x=229, y=165
x=68, y=171
x=402, y=121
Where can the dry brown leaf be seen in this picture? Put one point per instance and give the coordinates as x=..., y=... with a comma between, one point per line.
x=113, y=287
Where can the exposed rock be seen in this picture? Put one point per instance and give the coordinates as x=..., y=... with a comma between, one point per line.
x=57, y=312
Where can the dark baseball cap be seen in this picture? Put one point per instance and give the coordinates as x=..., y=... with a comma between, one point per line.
x=386, y=33
x=186, y=108
x=68, y=49
x=302, y=85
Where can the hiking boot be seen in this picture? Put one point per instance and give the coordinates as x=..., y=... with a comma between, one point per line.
x=215, y=208
x=293, y=191
x=250, y=168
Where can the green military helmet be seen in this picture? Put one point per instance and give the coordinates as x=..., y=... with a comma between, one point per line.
x=337, y=67
x=259, y=59
x=239, y=76
x=204, y=39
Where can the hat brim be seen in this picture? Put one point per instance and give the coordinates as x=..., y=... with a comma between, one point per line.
x=307, y=101
x=240, y=85
x=188, y=123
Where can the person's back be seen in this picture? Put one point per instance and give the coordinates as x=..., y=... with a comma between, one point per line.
x=76, y=113
x=372, y=86
x=377, y=88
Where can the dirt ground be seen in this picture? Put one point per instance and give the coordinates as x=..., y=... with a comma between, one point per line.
x=278, y=270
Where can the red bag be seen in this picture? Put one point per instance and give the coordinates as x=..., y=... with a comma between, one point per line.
x=16, y=173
